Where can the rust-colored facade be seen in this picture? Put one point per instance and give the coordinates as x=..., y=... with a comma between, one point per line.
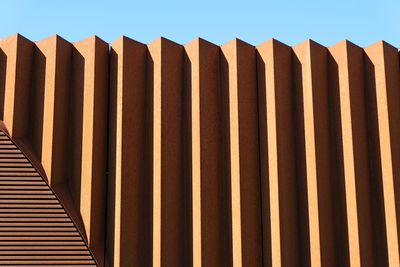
x=207, y=155
x=35, y=227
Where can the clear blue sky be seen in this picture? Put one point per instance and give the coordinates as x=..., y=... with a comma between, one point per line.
x=327, y=22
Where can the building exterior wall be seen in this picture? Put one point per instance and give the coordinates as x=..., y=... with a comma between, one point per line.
x=207, y=155
x=54, y=97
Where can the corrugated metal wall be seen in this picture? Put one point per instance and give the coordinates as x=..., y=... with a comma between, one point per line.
x=53, y=97
x=229, y=155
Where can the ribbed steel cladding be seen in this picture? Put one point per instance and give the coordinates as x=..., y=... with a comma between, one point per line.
x=207, y=155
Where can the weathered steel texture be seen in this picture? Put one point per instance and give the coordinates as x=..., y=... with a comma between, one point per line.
x=282, y=153
x=230, y=155
x=54, y=97
x=35, y=228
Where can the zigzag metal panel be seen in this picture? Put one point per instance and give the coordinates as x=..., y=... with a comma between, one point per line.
x=54, y=104
x=229, y=155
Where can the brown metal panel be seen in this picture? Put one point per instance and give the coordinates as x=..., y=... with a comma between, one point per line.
x=240, y=82
x=171, y=245
x=49, y=117
x=354, y=227
x=129, y=174
x=91, y=82
x=383, y=71
x=17, y=52
x=31, y=229
x=313, y=154
x=210, y=217
x=278, y=166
